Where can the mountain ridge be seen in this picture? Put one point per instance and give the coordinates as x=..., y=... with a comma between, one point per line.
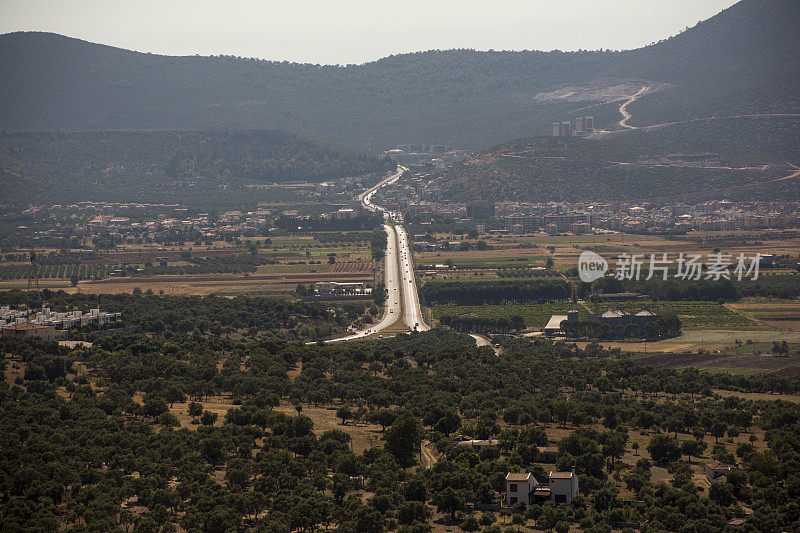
x=738, y=60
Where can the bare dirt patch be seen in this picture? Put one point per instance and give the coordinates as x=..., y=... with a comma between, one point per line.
x=770, y=363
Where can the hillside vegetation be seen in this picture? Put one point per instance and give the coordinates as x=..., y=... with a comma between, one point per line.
x=165, y=166
x=742, y=60
x=572, y=169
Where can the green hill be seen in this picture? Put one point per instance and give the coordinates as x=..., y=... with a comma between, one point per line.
x=742, y=60
x=632, y=166
x=200, y=167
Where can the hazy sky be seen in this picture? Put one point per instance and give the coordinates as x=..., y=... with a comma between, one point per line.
x=355, y=31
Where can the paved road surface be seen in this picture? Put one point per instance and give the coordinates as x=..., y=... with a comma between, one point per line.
x=399, y=276
x=480, y=340
x=392, y=281
x=412, y=312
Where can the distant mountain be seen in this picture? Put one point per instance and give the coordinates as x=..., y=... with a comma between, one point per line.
x=197, y=167
x=742, y=60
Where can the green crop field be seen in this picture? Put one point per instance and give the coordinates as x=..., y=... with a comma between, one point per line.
x=693, y=315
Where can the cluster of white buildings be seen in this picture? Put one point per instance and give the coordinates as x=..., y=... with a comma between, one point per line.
x=46, y=317
x=324, y=288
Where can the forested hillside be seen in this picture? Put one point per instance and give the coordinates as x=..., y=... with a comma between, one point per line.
x=615, y=168
x=776, y=137
x=741, y=60
x=146, y=166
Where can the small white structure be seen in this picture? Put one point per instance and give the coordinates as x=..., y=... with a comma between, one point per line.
x=519, y=486
x=476, y=444
x=553, y=326
x=563, y=487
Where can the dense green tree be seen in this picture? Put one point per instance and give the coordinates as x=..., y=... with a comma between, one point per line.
x=664, y=449
x=403, y=438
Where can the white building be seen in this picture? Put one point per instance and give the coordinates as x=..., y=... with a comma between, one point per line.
x=476, y=444
x=563, y=487
x=519, y=486
x=65, y=320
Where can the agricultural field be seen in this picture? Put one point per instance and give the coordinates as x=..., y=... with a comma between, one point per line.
x=734, y=364
x=715, y=341
x=693, y=315
x=275, y=266
x=534, y=249
x=21, y=271
x=778, y=314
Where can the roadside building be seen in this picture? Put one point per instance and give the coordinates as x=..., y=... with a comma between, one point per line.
x=553, y=326
x=564, y=221
x=615, y=317
x=324, y=288
x=618, y=317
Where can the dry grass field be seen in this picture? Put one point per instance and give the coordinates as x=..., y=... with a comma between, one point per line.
x=363, y=435
x=776, y=314
x=727, y=363
x=716, y=341
x=275, y=281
